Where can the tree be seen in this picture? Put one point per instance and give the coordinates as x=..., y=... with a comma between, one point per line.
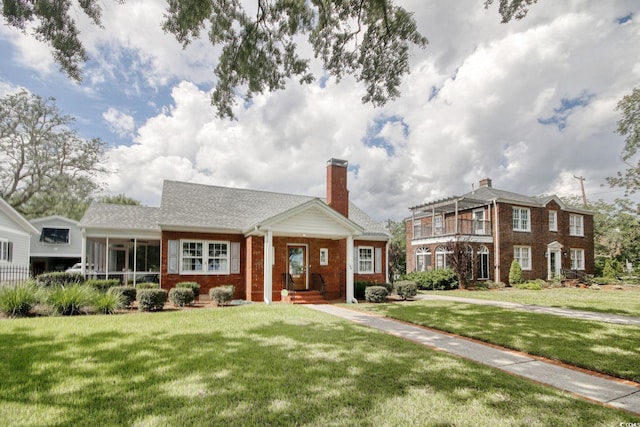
x=629, y=127
x=397, y=249
x=368, y=39
x=460, y=259
x=47, y=168
x=515, y=273
x=118, y=199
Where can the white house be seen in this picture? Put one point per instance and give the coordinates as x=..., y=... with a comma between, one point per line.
x=15, y=242
x=57, y=245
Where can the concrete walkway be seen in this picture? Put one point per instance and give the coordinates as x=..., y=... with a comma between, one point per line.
x=616, y=393
x=566, y=312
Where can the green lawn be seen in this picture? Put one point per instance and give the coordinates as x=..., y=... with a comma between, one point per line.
x=603, y=347
x=256, y=365
x=618, y=302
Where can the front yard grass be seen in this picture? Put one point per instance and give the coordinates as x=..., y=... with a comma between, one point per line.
x=625, y=302
x=603, y=347
x=256, y=365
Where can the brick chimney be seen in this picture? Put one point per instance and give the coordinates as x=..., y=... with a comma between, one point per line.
x=337, y=193
x=486, y=182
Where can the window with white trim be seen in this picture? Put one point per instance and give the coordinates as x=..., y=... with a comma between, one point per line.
x=483, y=263
x=522, y=254
x=553, y=220
x=204, y=257
x=438, y=224
x=521, y=220
x=576, y=225
x=441, y=257
x=577, y=259
x=423, y=259
x=54, y=235
x=365, y=259
x=6, y=249
x=417, y=230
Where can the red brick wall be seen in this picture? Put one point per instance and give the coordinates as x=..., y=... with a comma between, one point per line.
x=206, y=281
x=254, y=277
x=375, y=277
x=337, y=193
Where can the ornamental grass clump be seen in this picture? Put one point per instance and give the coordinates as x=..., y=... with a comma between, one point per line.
x=128, y=294
x=151, y=299
x=375, y=294
x=222, y=295
x=71, y=300
x=18, y=300
x=108, y=302
x=181, y=297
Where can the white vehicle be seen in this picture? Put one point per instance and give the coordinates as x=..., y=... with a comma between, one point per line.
x=77, y=268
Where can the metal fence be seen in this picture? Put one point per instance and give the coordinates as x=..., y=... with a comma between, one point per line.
x=12, y=274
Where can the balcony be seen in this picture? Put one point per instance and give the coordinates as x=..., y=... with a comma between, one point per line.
x=469, y=229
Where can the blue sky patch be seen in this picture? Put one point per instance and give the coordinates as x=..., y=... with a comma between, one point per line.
x=567, y=106
x=373, y=137
x=624, y=19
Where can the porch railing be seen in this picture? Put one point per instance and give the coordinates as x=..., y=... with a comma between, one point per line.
x=453, y=227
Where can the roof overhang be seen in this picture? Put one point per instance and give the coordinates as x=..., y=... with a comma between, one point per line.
x=448, y=205
x=15, y=216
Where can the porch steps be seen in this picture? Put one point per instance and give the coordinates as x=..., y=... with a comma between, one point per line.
x=305, y=297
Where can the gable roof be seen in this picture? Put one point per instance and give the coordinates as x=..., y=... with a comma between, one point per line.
x=15, y=217
x=186, y=206
x=54, y=218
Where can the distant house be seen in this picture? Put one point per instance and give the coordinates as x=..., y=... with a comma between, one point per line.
x=260, y=242
x=547, y=237
x=57, y=245
x=15, y=239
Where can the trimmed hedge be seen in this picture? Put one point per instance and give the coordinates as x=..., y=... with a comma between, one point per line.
x=58, y=278
x=359, y=287
x=147, y=285
x=439, y=280
x=151, y=299
x=128, y=294
x=375, y=293
x=406, y=289
x=181, y=296
x=194, y=286
x=222, y=295
x=102, y=285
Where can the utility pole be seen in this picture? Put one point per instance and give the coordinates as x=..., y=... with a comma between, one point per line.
x=584, y=196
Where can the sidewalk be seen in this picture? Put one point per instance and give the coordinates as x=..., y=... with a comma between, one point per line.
x=566, y=312
x=610, y=391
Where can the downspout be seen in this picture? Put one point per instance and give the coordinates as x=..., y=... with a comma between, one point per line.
x=496, y=242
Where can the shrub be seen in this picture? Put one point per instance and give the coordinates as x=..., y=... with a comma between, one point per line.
x=194, y=286
x=531, y=286
x=612, y=268
x=58, y=279
x=102, y=285
x=108, y=302
x=222, y=295
x=375, y=293
x=70, y=300
x=151, y=299
x=359, y=287
x=442, y=279
x=18, y=300
x=128, y=294
x=406, y=289
x=515, y=273
x=181, y=296
x=147, y=285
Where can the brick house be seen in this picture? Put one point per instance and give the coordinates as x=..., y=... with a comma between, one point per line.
x=226, y=236
x=546, y=236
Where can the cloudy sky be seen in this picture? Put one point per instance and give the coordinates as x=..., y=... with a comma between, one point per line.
x=529, y=104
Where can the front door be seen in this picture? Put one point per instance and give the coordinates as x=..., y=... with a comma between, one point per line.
x=554, y=264
x=298, y=266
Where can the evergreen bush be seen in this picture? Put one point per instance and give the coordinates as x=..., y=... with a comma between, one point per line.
x=406, y=289
x=194, y=286
x=515, y=273
x=181, y=296
x=58, y=279
x=375, y=294
x=222, y=295
x=441, y=280
x=102, y=285
x=147, y=285
x=151, y=299
x=359, y=287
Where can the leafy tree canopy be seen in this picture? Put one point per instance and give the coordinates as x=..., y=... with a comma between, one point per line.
x=46, y=167
x=369, y=39
x=118, y=199
x=629, y=127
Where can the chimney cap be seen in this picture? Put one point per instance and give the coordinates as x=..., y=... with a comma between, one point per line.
x=337, y=162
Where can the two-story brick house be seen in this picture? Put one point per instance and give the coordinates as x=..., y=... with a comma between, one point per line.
x=545, y=235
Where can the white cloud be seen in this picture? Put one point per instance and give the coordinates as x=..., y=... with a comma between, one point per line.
x=120, y=123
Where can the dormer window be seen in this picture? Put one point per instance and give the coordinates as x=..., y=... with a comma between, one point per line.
x=55, y=236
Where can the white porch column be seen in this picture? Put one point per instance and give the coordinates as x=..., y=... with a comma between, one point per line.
x=350, y=292
x=83, y=252
x=268, y=266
